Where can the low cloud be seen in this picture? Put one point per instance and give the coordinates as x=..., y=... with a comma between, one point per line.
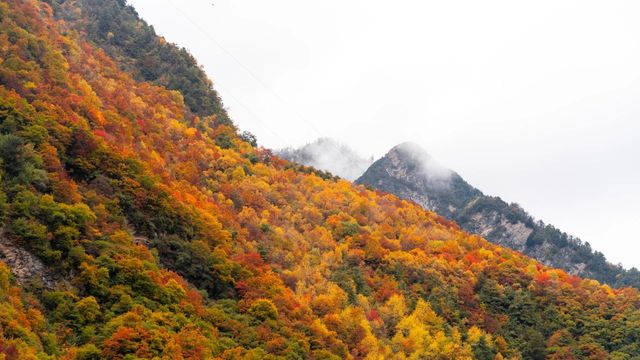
x=329, y=155
x=435, y=174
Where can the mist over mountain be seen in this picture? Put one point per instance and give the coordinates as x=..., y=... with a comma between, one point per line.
x=329, y=155
x=409, y=172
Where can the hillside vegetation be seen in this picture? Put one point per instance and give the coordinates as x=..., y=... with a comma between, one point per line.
x=164, y=234
x=116, y=28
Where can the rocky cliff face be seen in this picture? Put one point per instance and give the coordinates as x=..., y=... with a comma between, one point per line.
x=409, y=172
x=26, y=267
x=495, y=225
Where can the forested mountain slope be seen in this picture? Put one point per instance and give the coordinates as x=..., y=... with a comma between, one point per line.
x=163, y=234
x=405, y=172
x=116, y=27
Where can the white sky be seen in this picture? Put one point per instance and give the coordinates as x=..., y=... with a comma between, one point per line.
x=537, y=102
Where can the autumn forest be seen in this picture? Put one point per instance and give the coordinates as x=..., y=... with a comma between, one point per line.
x=150, y=227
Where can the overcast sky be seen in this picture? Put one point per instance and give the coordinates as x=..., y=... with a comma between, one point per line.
x=537, y=102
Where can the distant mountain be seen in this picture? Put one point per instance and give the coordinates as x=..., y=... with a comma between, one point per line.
x=411, y=173
x=329, y=155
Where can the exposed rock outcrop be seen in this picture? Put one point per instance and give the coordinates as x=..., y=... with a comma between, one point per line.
x=25, y=266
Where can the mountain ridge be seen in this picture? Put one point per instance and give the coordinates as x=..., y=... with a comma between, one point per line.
x=402, y=172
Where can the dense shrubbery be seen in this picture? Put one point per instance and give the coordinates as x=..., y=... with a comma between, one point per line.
x=169, y=243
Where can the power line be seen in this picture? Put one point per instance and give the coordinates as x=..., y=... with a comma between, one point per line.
x=251, y=73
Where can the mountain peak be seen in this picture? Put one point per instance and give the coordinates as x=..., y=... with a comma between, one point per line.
x=409, y=146
x=411, y=159
x=409, y=172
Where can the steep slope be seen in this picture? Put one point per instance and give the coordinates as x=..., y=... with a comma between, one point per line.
x=328, y=155
x=172, y=237
x=115, y=27
x=410, y=173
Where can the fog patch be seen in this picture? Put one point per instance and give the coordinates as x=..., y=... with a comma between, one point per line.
x=434, y=173
x=329, y=155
